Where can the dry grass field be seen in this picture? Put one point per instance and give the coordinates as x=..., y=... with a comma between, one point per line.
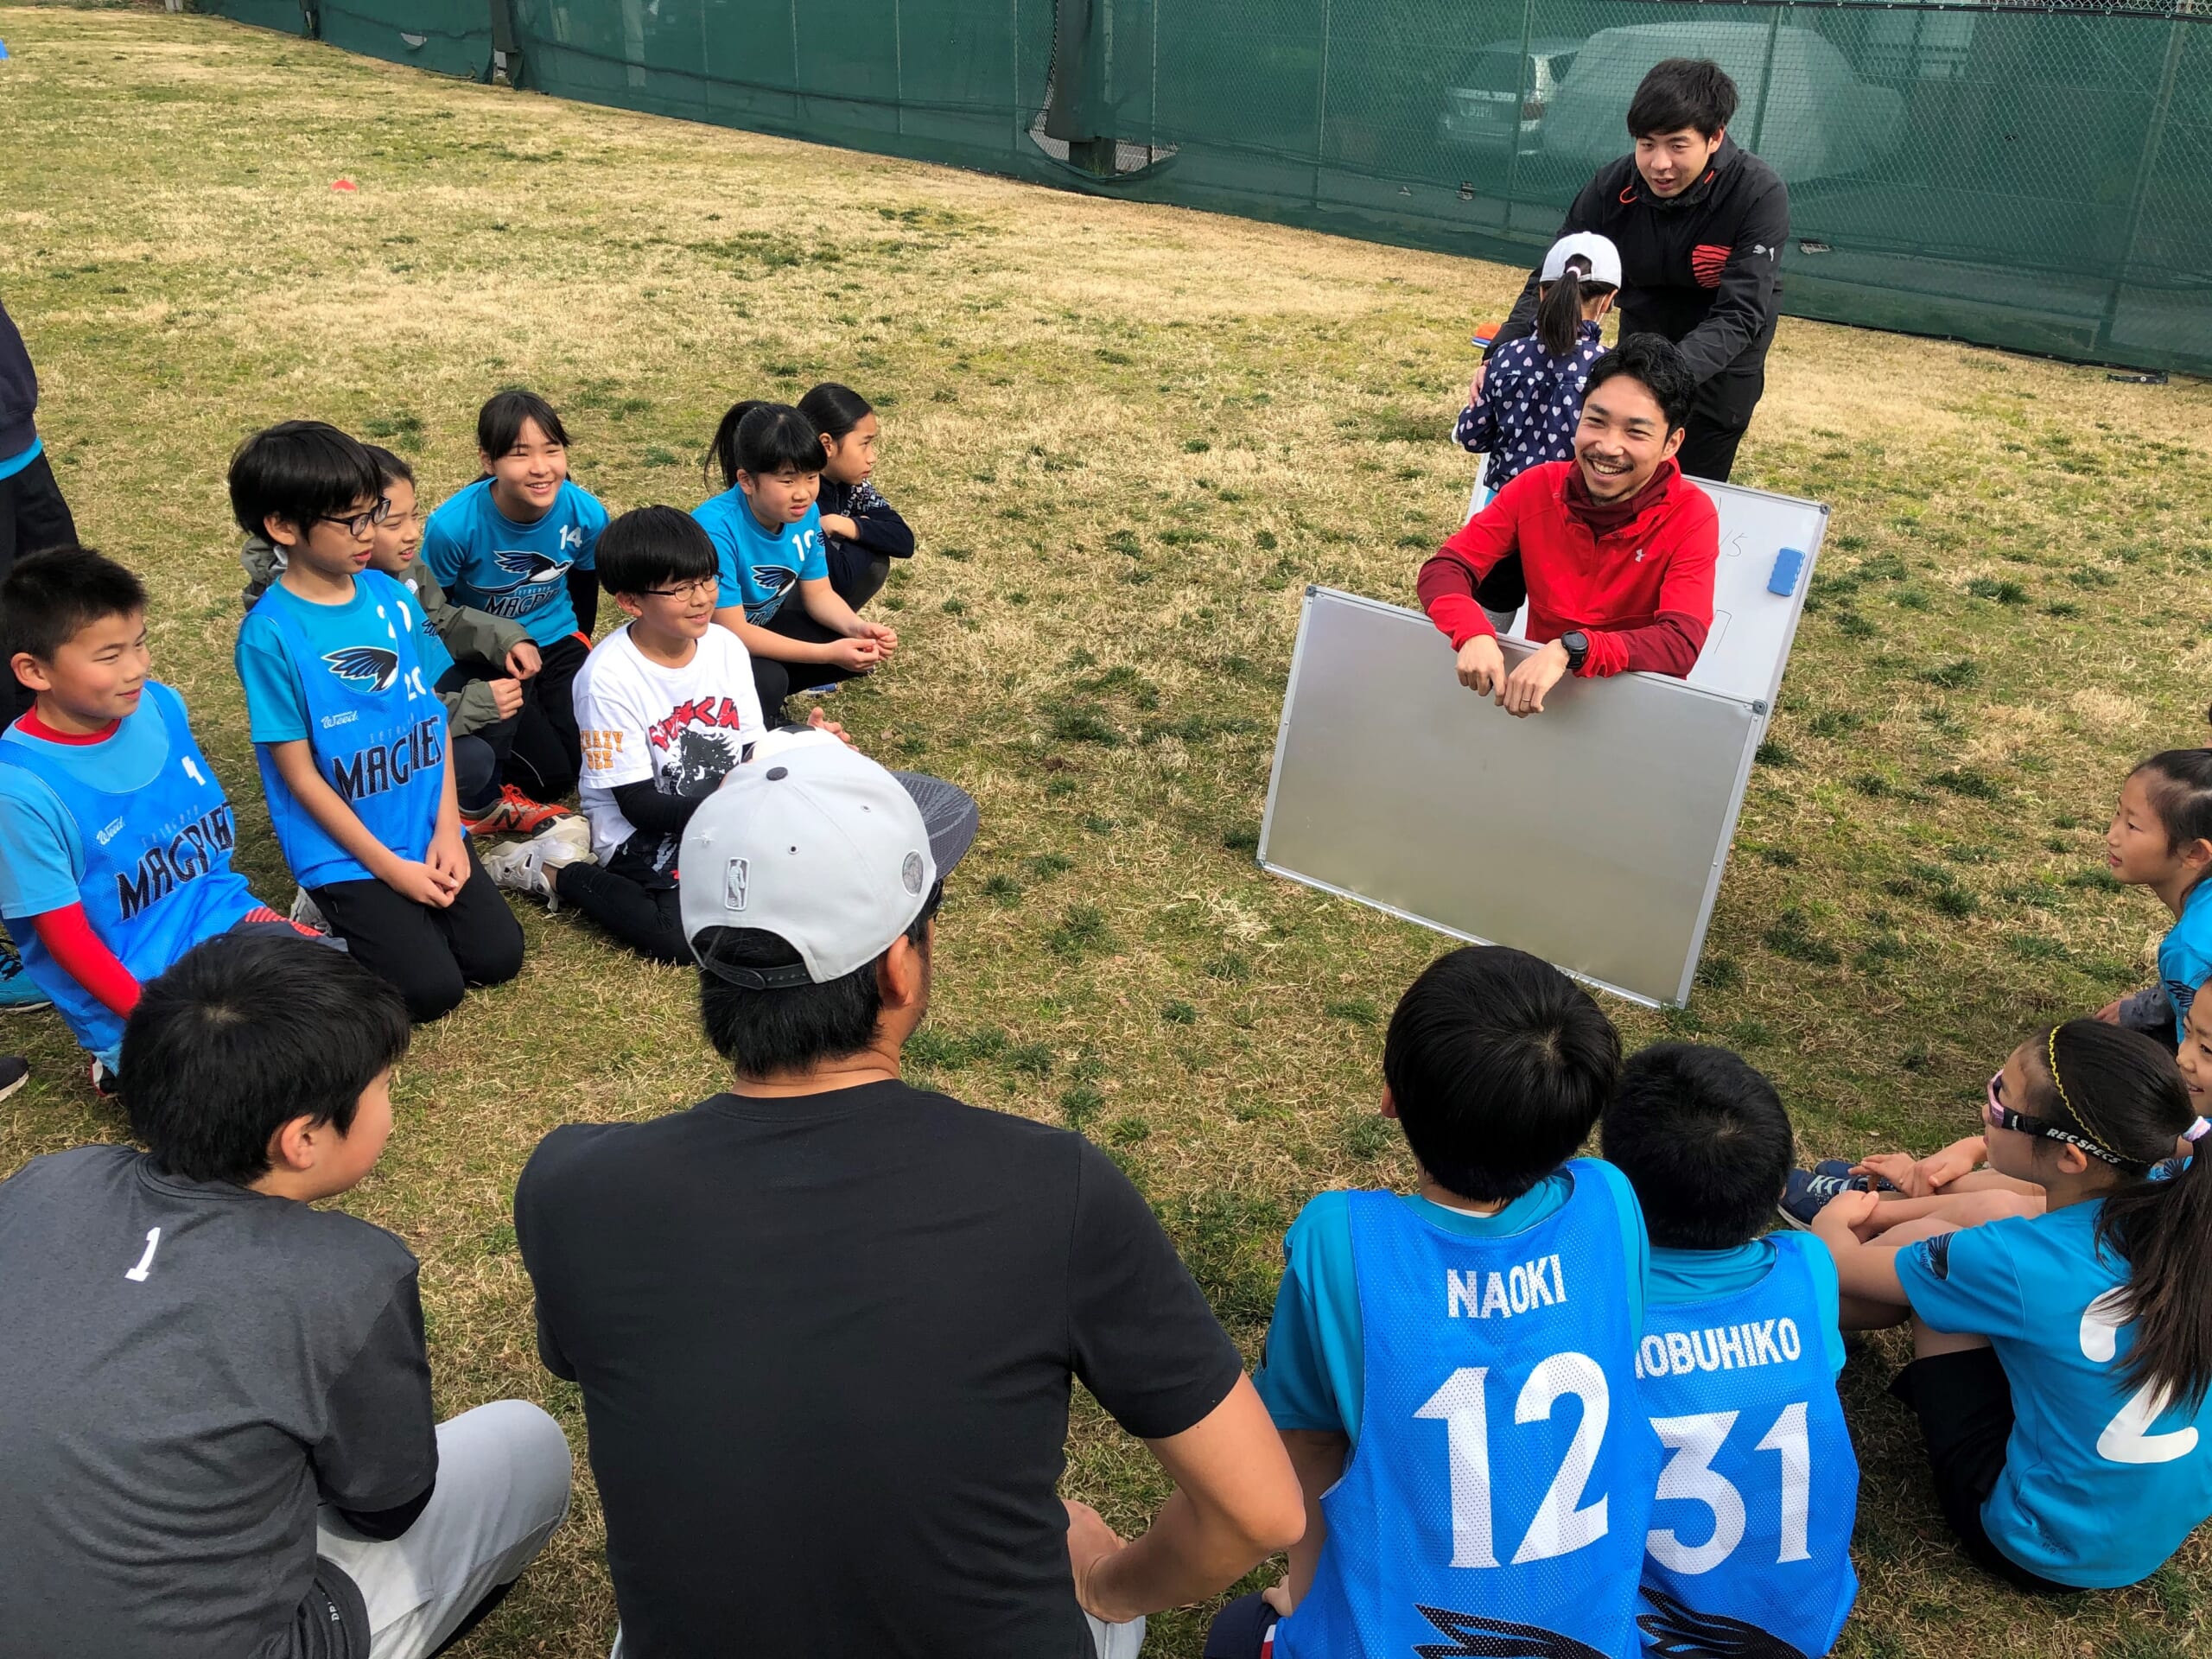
x=1126, y=436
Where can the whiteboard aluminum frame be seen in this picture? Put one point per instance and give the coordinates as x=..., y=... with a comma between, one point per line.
x=1759, y=711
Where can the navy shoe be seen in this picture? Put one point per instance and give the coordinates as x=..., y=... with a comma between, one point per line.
x=1805, y=1194
x=1842, y=1167
x=18, y=993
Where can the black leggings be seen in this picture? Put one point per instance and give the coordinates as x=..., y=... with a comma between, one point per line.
x=539, y=750
x=432, y=956
x=775, y=680
x=643, y=914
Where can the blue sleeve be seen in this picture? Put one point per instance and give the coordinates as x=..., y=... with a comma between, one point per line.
x=728, y=591
x=430, y=650
x=1636, y=1241
x=1828, y=1291
x=276, y=706
x=2185, y=961
x=813, y=552
x=1476, y=431
x=591, y=516
x=1965, y=1283
x=1315, y=1333
x=443, y=548
x=41, y=857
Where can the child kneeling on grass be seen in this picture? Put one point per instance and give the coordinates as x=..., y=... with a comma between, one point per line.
x=218, y=1438
x=861, y=532
x=1750, y=1545
x=1453, y=1372
x=492, y=655
x=775, y=593
x=338, y=664
x=2061, y=1359
x=666, y=707
x=115, y=833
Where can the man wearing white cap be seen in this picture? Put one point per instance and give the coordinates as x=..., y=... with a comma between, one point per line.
x=825, y=1323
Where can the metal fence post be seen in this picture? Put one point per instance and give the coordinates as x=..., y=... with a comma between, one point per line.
x=2154, y=138
x=1321, y=106
x=1526, y=84
x=1766, y=77
x=506, y=51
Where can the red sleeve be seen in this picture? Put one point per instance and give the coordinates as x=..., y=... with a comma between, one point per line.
x=1447, y=582
x=1670, y=645
x=69, y=938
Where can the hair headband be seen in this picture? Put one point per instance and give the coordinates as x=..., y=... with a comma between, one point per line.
x=2089, y=1141
x=2196, y=1131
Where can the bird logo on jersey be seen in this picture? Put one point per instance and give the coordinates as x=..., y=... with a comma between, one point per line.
x=363, y=665
x=1674, y=1632
x=777, y=580
x=1476, y=1636
x=528, y=566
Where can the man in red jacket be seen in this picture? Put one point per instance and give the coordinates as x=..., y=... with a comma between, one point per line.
x=1617, y=545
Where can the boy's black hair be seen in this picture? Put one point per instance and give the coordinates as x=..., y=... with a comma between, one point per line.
x=299, y=471
x=50, y=597
x=498, y=423
x=244, y=1033
x=390, y=467
x=834, y=410
x=1704, y=1140
x=1498, y=1064
x=648, y=547
x=1654, y=363
x=756, y=436
x=1682, y=92
x=770, y=1032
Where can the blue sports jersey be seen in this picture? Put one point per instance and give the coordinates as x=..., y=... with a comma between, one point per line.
x=2102, y=1483
x=155, y=877
x=2185, y=954
x=1504, y=1473
x=485, y=559
x=377, y=729
x=760, y=568
x=1751, y=1528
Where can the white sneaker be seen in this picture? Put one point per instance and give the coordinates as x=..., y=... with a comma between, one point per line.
x=307, y=913
x=520, y=866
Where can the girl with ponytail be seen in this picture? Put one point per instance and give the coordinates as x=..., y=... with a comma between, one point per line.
x=2062, y=1361
x=1527, y=397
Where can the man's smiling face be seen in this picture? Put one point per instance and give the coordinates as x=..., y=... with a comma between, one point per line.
x=1622, y=439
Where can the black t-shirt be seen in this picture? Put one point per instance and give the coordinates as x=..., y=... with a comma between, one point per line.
x=824, y=1345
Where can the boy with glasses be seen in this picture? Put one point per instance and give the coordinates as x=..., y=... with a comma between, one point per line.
x=665, y=705
x=338, y=665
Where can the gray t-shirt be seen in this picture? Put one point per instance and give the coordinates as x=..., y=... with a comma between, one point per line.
x=185, y=1371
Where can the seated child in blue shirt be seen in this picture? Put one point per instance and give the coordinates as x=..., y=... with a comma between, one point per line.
x=1454, y=1371
x=1750, y=1545
x=768, y=542
x=114, y=834
x=338, y=665
x=861, y=532
x=2061, y=1360
x=519, y=543
x=2161, y=838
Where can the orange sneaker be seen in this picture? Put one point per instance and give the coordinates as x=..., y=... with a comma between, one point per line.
x=513, y=814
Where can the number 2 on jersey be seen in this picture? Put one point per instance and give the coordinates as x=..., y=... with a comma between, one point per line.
x=137, y=1274
x=2128, y=1437
x=1562, y=1522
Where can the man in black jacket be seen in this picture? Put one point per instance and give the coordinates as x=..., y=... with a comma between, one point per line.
x=1700, y=224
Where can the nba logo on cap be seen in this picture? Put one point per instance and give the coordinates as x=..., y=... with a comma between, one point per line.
x=733, y=883
x=910, y=873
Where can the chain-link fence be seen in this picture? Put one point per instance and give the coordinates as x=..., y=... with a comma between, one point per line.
x=2017, y=175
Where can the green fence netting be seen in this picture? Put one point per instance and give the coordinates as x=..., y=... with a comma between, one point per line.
x=2024, y=176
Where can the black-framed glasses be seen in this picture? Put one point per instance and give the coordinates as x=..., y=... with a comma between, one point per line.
x=1997, y=1114
x=687, y=589
x=358, y=524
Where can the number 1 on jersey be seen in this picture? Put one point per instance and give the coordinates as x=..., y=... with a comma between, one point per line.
x=137, y=1274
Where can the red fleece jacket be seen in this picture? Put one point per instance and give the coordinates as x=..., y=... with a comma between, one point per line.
x=1643, y=594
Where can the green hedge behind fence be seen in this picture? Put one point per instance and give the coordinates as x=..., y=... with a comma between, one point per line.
x=2032, y=178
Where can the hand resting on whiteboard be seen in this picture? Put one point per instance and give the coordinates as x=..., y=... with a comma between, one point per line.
x=1520, y=693
x=1482, y=667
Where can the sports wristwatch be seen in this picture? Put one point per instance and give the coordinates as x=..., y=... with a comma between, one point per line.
x=1577, y=643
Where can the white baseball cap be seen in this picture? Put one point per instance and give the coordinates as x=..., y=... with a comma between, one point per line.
x=1605, y=258
x=823, y=848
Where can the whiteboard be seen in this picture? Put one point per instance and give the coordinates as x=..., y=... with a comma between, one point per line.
x=1753, y=629
x=1593, y=835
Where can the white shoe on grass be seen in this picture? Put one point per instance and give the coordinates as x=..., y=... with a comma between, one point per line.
x=520, y=866
x=307, y=913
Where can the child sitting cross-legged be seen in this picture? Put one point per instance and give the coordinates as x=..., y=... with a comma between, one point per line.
x=1454, y=1371
x=218, y=1438
x=115, y=833
x=338, y=664
x=1750, y=1544
x=2060, y=1359
x=861, y=532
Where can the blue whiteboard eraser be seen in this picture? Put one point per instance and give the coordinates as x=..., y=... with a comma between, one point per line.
x=1787, y=564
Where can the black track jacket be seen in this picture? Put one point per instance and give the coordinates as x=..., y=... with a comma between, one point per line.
x=1704, y=268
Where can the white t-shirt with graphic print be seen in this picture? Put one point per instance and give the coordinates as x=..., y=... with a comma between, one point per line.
x=681, y=727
